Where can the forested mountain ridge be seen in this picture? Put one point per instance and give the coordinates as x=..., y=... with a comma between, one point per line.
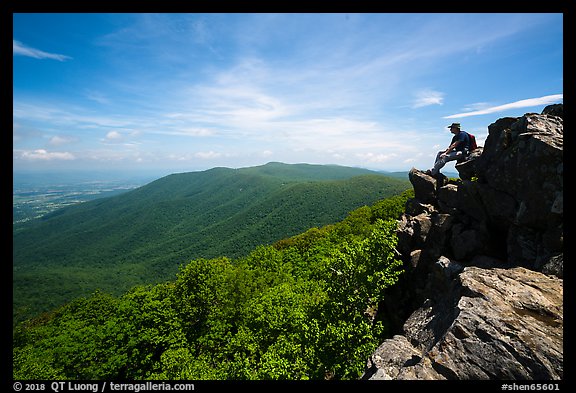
x=302, y=308
x=144, y=235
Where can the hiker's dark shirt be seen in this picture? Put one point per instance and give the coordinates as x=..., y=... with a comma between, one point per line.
x=464, y=145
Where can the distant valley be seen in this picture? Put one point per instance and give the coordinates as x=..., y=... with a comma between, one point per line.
x=35, y=195
x=142, y=236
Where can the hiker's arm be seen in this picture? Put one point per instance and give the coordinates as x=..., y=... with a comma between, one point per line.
x=452, y=147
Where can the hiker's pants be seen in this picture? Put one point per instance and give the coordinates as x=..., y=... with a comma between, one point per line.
x=442, y=159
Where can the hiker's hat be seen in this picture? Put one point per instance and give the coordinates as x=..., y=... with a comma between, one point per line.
x=457, y=125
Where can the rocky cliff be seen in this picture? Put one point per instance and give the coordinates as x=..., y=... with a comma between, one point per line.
x=482, y=296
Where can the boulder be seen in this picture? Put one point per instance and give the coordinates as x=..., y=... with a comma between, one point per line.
x=493, y=324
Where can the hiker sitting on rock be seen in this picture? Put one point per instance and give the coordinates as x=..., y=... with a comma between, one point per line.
x=458, y=149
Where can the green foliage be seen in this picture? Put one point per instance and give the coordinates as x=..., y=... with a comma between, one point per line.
x=144, y=235
x=392, y=207
x=302, y=308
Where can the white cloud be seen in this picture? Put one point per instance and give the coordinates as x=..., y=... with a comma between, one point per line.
x=44, y=155
x=187, y=132
x=67, y=115
x=113, y=136
x=551, y=99
x=377, y=157
x=97, y=97
x=428, y=97
x=20, y=49
x=58, y=140
x=208, y=155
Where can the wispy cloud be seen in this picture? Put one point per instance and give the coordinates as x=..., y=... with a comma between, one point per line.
x=113, y=135
x=428, y=97
x=551, y=99
x=207, y=155
x=19, y=49
x=97, y=97
x=58, y=140
x=43, y=155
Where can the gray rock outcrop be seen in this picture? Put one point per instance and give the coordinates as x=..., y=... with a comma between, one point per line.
x=482, y=292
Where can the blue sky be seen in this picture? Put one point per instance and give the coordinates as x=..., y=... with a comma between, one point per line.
x=187, y=92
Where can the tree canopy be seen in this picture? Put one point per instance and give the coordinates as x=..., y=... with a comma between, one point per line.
x=301, y=308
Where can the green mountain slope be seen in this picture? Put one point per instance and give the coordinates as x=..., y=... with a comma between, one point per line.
x=144, y=235
x=306, y=307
